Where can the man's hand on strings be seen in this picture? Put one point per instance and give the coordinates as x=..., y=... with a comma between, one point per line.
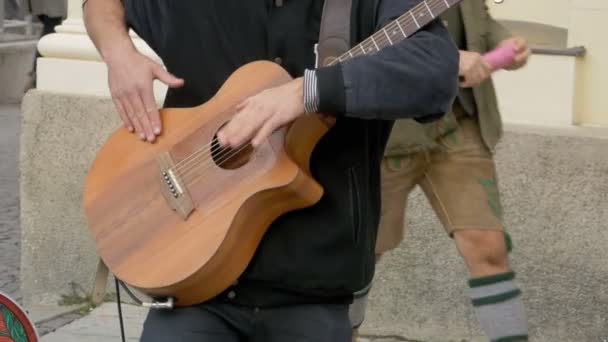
x=131, y=76
x=260, y=115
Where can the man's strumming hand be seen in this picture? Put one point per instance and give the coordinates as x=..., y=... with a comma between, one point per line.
x=258, y=116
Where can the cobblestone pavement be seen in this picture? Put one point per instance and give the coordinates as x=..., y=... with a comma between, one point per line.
x=46, y=327
x=10, y=122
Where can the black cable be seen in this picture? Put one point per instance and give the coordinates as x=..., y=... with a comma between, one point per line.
x=122, y=327
x=133, y=296
x=154, y=305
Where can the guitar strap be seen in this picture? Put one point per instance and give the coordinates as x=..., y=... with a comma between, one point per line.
x=334, y=34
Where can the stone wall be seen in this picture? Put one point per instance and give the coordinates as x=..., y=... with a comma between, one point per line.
x=60, y=135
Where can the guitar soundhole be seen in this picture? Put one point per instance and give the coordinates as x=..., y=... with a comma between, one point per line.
x=230, y=158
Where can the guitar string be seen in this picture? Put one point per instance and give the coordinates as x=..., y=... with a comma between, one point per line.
x=396, y=25
x=393, y=26
x=370, y=42
x=408, y=20
x=222, y=156
x=201, y=172
x=384, y=38
x=216, y=154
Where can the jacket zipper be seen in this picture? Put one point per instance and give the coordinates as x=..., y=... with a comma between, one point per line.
x=355, y=204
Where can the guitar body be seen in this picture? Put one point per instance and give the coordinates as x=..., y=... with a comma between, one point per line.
x=182, y=218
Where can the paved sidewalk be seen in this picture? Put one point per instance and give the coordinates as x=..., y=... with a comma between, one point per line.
x=101, y=325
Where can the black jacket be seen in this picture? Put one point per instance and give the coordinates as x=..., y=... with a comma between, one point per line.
x=325, y=252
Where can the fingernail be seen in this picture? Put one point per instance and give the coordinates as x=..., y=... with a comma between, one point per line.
x=142, y=136
x=156, y=130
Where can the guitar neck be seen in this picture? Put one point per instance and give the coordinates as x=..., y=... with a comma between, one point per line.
x=401, y=28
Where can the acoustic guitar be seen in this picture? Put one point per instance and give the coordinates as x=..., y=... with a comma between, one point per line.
x=182, y=217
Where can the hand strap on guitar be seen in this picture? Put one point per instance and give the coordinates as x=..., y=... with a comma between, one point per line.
x=334, y=35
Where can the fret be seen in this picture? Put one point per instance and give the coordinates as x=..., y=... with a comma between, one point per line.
x=387, y=36
x=362, y=49
x=394, y=32
x=350, y=53
x=415, y=21
x=428, y=8
x=402, y=32
x=374, y=41
x=446, y=4
x=422, y=16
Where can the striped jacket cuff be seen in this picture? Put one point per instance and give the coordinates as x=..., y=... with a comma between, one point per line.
x=311, y=94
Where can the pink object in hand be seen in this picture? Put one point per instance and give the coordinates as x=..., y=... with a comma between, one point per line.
x=500, y=57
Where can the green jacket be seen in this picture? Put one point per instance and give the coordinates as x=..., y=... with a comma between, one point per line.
x=483, y=34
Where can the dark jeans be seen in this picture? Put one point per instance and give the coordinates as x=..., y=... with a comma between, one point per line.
x=221, y=322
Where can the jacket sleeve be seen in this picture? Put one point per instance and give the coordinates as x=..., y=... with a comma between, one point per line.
x=496, y=31
x=415, y=78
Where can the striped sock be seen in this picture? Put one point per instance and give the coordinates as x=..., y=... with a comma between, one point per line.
x=499, y=307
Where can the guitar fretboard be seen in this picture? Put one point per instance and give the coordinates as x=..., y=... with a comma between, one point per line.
x=400, y=28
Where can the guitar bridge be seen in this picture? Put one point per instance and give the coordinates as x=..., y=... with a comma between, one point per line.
x=172, y=186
